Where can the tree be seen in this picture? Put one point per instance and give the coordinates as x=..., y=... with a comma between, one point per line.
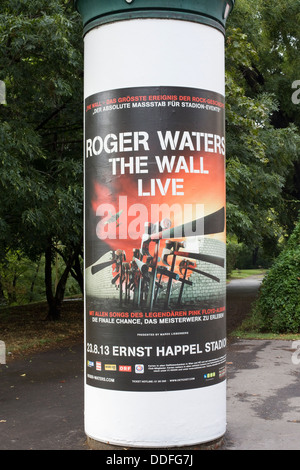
x=41, y=134
x=263, y=162
x=41, y=129
x=262, y=122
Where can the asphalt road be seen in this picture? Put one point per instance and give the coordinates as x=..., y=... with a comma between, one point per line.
x=41, y=397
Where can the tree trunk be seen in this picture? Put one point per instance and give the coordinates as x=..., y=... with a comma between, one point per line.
x=255, y=256
x=53, y=311
x=2, y=296
x=34, y=279
x=55, y=301
x=76, y=272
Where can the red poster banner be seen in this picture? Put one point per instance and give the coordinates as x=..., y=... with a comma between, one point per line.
x=155, y=241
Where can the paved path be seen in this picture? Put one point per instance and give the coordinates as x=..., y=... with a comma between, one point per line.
x=263, y=395
x=240, y=295
x=41, y=398
x=41, y=402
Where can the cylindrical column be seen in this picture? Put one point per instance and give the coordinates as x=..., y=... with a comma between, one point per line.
x=155, y=241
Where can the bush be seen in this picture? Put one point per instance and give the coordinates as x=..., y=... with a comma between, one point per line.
x=279, y=299
x=233, y=250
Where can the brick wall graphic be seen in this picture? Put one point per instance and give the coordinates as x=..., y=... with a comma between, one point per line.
x=208, y=285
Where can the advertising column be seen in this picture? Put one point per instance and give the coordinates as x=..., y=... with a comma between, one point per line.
x=155, y=235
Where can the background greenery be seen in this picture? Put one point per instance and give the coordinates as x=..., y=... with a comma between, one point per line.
x=278, y=306
x=41, y=64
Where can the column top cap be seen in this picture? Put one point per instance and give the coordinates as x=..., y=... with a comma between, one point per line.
x=211, y=12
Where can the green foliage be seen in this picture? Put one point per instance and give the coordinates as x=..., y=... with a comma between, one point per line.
x=41, y=125
x=263, y=144
x=233, y=249
x=22, y=281
x=263, y=149
x=279, y=300
x=41, y=132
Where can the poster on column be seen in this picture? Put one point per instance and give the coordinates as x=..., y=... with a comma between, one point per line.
x=155, y=243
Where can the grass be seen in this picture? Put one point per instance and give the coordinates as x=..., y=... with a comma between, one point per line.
x=24, y=329
x=244, y=334
x=244, y=273
x=250, y=329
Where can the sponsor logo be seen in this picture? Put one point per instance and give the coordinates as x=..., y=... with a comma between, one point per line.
x=110, y=367
x=124, y=368
x=90, y=363
x=98, y=365
x=139, y=368
x=210, y=375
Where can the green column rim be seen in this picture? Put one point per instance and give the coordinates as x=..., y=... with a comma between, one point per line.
x=210, y=12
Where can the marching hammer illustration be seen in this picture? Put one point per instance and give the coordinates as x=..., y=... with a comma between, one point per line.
x=98, y=267
x=120, y=258
x=184, y=266
x=150, y=229
x=171, y=248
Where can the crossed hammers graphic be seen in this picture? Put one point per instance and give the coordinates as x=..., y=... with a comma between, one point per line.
x=142, y=274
